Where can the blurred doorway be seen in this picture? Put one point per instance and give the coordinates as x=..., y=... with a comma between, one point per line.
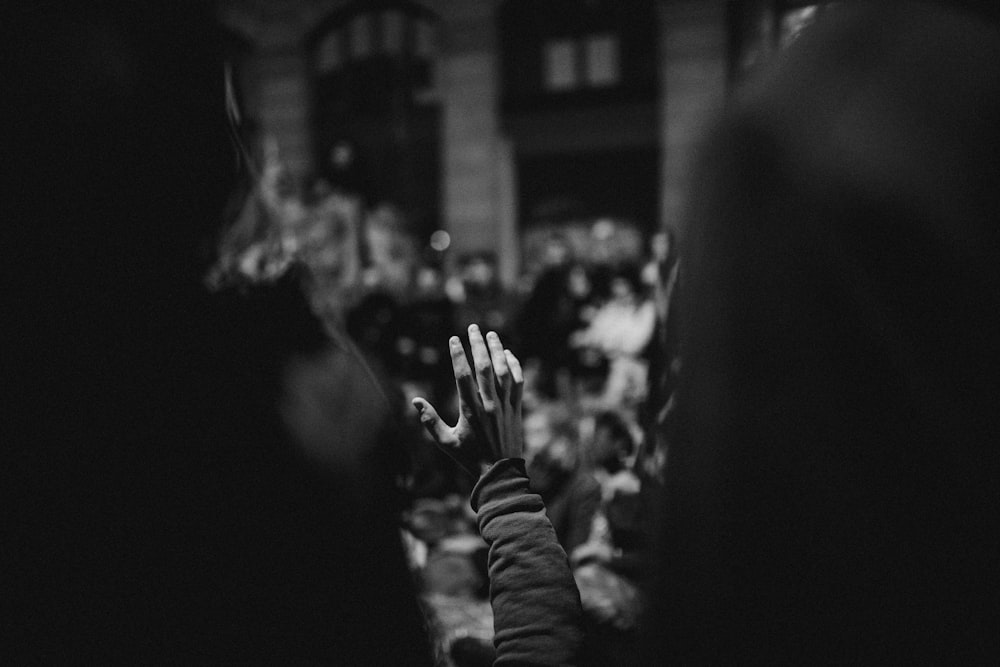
x=372, y=65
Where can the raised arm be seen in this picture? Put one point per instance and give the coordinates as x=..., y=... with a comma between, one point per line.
x=536, y=606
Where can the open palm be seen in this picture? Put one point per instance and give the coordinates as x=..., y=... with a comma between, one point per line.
x=489, y=422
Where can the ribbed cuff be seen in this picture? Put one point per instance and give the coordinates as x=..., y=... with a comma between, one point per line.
x=503, y=488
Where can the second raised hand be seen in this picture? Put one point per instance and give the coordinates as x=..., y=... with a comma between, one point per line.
x=489, y=422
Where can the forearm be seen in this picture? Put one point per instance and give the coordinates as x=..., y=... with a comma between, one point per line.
x=536, y=606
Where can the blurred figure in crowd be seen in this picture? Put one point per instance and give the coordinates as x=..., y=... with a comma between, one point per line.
x=555, y=467
x=621, y=330
x=553, y=311
x=612, y=565
x=658, y=410
x=163, y=496
x=841, y=350
x=390, y=252
x=611, y=444
x=426, y=316
x=377, y=320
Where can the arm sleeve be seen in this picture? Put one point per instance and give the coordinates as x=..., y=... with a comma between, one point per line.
x=536, y=606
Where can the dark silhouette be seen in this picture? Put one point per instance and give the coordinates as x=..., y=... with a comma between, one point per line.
x=841, y=347
x=163, y=498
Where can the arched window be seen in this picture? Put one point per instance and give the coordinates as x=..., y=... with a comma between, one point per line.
x=372, y=63
x=363, y=32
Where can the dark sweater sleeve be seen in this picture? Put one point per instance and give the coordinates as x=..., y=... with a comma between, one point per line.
x=536, y=606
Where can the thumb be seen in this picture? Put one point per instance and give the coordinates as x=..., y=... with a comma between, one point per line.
x=435, y=426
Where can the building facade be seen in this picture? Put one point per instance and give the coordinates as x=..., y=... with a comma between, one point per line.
x=485, y=117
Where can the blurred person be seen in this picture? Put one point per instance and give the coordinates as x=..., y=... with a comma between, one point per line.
x=428, y=313
x=611, y=594
x=377, y=320
x=611, y=444
x=661, y=276
x=588, y=366
x=167, y=491
x=570, y=492
x=390, y=252
x=550, y=315
x=621, y=330
x=829, y=498
x=454, y=562
x=536, y=606
x=657, y=411
x=612, y=565
x=558, y=305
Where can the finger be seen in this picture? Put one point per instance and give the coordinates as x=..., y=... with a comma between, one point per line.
x=465, y=383
x=500, y=368
x=484, y=367
x=516, y=376
x=444, y=436
x=441, y=432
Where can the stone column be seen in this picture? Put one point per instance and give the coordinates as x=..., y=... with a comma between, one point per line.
x=471, y=158
x=693, y=42
x=509, y=238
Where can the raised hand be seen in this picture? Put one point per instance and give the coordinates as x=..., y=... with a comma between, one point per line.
x=489, y=422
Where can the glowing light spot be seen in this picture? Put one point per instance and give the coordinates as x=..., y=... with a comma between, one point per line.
x=440, y=240
x=603, y=229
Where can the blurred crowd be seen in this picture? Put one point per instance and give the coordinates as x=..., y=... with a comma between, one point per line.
x=590, y=317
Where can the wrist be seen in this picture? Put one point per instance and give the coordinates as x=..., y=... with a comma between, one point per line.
x=504, y=477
